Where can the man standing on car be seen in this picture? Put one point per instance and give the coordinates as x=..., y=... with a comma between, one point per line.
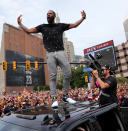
x=107, y=85
x=53, y=42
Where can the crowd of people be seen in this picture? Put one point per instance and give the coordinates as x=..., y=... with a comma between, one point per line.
x=25, y=99
x=122, y=93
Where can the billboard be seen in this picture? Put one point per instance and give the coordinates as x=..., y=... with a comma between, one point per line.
x=23, y=77
x=107, y=52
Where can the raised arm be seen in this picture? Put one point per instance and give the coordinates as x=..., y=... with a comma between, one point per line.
x=83, y=14
x=31, y=30
x=92, y=84
x=102, y=84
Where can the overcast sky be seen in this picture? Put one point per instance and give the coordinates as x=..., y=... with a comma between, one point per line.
x=104, y=20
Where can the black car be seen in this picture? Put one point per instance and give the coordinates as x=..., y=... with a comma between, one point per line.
x=78, y=117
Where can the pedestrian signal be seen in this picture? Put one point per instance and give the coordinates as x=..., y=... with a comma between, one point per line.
x=4, y=66
x=86, y=79
x=28, y=66
x=36, y=65
x=14, y=65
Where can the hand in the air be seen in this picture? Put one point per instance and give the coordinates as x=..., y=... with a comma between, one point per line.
x=19, y=19
x=83, y=14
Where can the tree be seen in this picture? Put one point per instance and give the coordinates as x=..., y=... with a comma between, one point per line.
x=60, y=81
x=59, y=86
x=122, y=80
x=78, y=77
x=39, y=88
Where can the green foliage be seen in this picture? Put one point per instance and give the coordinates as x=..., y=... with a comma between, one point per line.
x=46, y=87
x=77, y=80
x=61, y=80
x=59, y=86
x=121, y=80
x=78, y=77
x=39, y=88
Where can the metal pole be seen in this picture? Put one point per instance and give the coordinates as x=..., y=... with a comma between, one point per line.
x=40, y=63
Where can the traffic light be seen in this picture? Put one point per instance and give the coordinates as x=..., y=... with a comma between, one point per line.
x=36, y=65
x=86, y=79
x=4, y=66
x=14, y=65
x=28, y=66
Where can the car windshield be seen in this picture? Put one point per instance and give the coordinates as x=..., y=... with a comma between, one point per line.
x=11, y=127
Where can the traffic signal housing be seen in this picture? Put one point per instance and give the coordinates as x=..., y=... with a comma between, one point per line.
x=4, y=65
x=36, y=65
x=14, y=65
x=28, y=66
x=86, y=79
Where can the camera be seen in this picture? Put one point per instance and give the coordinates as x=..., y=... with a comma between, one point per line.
x=95, y=65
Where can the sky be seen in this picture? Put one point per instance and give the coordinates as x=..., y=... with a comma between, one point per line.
x=104, y=21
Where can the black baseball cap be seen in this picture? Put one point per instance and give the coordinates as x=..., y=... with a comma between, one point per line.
x=107, y=67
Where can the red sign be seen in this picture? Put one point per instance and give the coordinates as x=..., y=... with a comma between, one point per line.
x=97, y=47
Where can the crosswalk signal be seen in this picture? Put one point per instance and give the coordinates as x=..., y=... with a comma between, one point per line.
x=28, y=66
x=36, y=65
x=86, y=79
x=4, y=65
x=14, y=65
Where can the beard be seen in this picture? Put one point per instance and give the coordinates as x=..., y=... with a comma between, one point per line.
x=50, y=19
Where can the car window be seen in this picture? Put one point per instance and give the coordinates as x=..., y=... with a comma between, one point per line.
x=11, y=127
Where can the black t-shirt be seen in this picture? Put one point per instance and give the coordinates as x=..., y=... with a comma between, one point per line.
x=53, y=35
x=110, y=93
x=113, y=86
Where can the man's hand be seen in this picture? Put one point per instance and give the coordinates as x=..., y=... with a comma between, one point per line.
x=83, y=14
x=19, y=19
x=79, y=21
x=95, y=73
x=31, y=30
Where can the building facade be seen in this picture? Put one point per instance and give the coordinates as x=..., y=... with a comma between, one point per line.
x=122, y=59
x=21, y=47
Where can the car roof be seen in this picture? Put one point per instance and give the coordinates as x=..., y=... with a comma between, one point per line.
x=48, y=118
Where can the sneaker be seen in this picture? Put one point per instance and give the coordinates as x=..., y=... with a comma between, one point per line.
x=69, y=100
x=55, y=104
